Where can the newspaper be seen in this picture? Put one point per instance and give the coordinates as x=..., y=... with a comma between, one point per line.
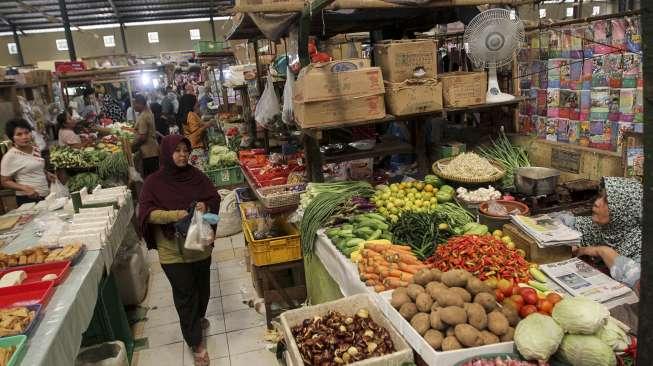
x=581, y=279
x=547, y=231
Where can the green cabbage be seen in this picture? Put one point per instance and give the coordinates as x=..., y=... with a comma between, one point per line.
x=580, y=315
x=614, y=336
x=537, y=337
x=586, y=350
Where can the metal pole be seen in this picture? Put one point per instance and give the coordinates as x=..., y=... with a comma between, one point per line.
x=69, y=34
x=212, y=27
x=124, y=38
x=21, y=59
x=645, y=331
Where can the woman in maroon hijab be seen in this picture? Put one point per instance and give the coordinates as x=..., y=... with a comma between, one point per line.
x=165, y=200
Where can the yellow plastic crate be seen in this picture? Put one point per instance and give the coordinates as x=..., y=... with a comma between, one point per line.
x=273, y=250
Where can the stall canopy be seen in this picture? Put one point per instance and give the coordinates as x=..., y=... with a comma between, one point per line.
x=333, y=22
x=39, y=14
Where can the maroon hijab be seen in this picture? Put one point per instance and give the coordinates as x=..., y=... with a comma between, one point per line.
x=173, y=188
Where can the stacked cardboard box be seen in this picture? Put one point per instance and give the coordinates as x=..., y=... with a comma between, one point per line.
x=410, y=74
x=338, y=92
x=462, y=89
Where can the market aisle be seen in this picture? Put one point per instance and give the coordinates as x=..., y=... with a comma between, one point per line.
x=236, y=335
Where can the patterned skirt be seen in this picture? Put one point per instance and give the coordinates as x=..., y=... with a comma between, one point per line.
x=198, y=158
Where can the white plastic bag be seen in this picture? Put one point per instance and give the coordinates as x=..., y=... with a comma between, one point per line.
x=230, y=221
x=58, y=190
x=268, y=106
x=287, y=113
x=198, y=233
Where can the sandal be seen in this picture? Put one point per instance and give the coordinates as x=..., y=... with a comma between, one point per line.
x=201, y=358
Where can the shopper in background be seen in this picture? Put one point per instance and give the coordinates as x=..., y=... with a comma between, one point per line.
x=66, y=135
x=204, y=97
x=165, y=198
x=22, y=167
x=110, y=107
x=194, y=129
x=145, y=141
x=170, y=107
x=89, y=109
x=162, y=128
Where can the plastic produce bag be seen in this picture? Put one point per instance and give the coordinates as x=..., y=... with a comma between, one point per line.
x=58, y=190
x=287, y=113
x=199, y=235
x=268, y=106
x=230, y=221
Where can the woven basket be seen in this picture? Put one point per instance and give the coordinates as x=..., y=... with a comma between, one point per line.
x=442, y=162
x=279, y=196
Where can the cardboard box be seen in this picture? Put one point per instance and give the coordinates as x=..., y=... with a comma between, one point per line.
x=338, y=92
x=344, y=51
x=38, y=77
x=461, y=89
x=407, y=59
x=450, y=149
x=413, y=96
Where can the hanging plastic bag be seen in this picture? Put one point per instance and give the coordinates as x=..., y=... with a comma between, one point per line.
x=268, y=106
x=287, y=113
x=58, y=190
x=199, y=235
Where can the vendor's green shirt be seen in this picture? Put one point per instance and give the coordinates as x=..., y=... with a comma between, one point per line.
x=171, y=250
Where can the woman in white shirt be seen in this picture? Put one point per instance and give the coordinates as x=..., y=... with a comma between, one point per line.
x=67, y=135
x=22, y=168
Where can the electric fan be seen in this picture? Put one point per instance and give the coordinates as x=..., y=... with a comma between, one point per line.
x=491, y=39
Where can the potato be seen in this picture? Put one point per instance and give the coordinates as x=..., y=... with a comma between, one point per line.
x=511, y=314
x=424, y=302
x=497, y=323
x=435, y=306
x=434, y=338
x=408, y=310
x=450, y=343
x=476, y=316
x=489, y=338
x=453, y=315
x=449, y=298
x=400, y=290
x=510, y=334
x=488, y=301
x=476, y=286
x=436, y=322
x=433, y=288
x=414, y=290
x=436, y=274
x=398, y=299
x=455, y=278
x=451, y=332
x=423, y=277
x=463, y=293
x=421, y=323
x=467, y=335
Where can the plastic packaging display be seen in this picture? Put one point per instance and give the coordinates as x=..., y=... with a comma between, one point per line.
x=268, y=106
x=287, y=112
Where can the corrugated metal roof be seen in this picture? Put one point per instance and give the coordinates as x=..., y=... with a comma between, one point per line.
x=39, y=14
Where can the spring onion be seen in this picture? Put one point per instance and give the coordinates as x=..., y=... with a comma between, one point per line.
x=509, y=155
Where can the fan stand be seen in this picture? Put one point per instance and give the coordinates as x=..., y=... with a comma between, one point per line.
x=494, y=94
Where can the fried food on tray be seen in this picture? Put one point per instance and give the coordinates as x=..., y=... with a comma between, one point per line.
x=5, y=355
x=38, y=255
x=15, y=320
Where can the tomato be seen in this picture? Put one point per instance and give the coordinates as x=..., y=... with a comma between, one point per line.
x=545, y=305
x=511, y=303
x=553, y=298
x=527, y=310
x=505, y=286
x=499, y=295
x=529, y=295
x=516, y=290
x=518, y=299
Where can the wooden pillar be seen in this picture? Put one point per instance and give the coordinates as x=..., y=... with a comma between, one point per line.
x=645, y=331
x=123, y=37
x=21, y=59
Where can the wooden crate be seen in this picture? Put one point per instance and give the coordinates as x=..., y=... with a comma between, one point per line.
x=533, y=252
x=283, y=284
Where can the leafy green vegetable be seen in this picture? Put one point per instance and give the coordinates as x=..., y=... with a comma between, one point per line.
x=222, y=157
x=580, y=315
x=509, y=155
x=81, y=180
x=614, y=336
x=586, y=350
x=114, y=165
x=537, y=337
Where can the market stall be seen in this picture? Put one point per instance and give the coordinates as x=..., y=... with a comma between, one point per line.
x=67, y=306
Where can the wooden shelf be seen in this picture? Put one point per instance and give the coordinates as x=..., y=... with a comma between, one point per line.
x=388, y=146
x=517, y=100
x=31, y=86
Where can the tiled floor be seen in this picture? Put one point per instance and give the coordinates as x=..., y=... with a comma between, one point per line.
x=236, y=335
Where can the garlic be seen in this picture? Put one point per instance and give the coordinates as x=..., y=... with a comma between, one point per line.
x=371, y=347
x=352, y=351
x=363, y=313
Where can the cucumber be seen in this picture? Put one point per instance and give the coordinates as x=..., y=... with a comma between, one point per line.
x=347, y=227
x=537, y=274
x=363, y=232
x=375, y=235
x=354, y=242
x=538, y=286
x=376, y=224
x=333, y=232
x=375, y=217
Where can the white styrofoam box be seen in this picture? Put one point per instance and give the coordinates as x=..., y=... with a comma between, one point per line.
x=87, y=231
x=91, y=241
x=429, y=355
x=348, y=306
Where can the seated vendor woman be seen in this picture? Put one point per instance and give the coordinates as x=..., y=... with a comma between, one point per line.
x=67, y=135
x=614, y=232
x=22, y=168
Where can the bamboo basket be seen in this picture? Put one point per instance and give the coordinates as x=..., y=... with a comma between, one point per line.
x=501, y=172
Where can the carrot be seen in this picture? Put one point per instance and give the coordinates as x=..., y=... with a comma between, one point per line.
x=369, y=276
x=410, y=268
x=361, y=267
x=394, y=282
x=404, y=248
x=371, y=283
x=408, y=259
x=379, y=288
x=376, y=247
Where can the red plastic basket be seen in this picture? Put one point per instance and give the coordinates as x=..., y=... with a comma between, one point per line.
x=29, y=294
x=36, y=272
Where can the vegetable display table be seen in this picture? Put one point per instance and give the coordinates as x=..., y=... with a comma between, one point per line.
x=57, y=337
